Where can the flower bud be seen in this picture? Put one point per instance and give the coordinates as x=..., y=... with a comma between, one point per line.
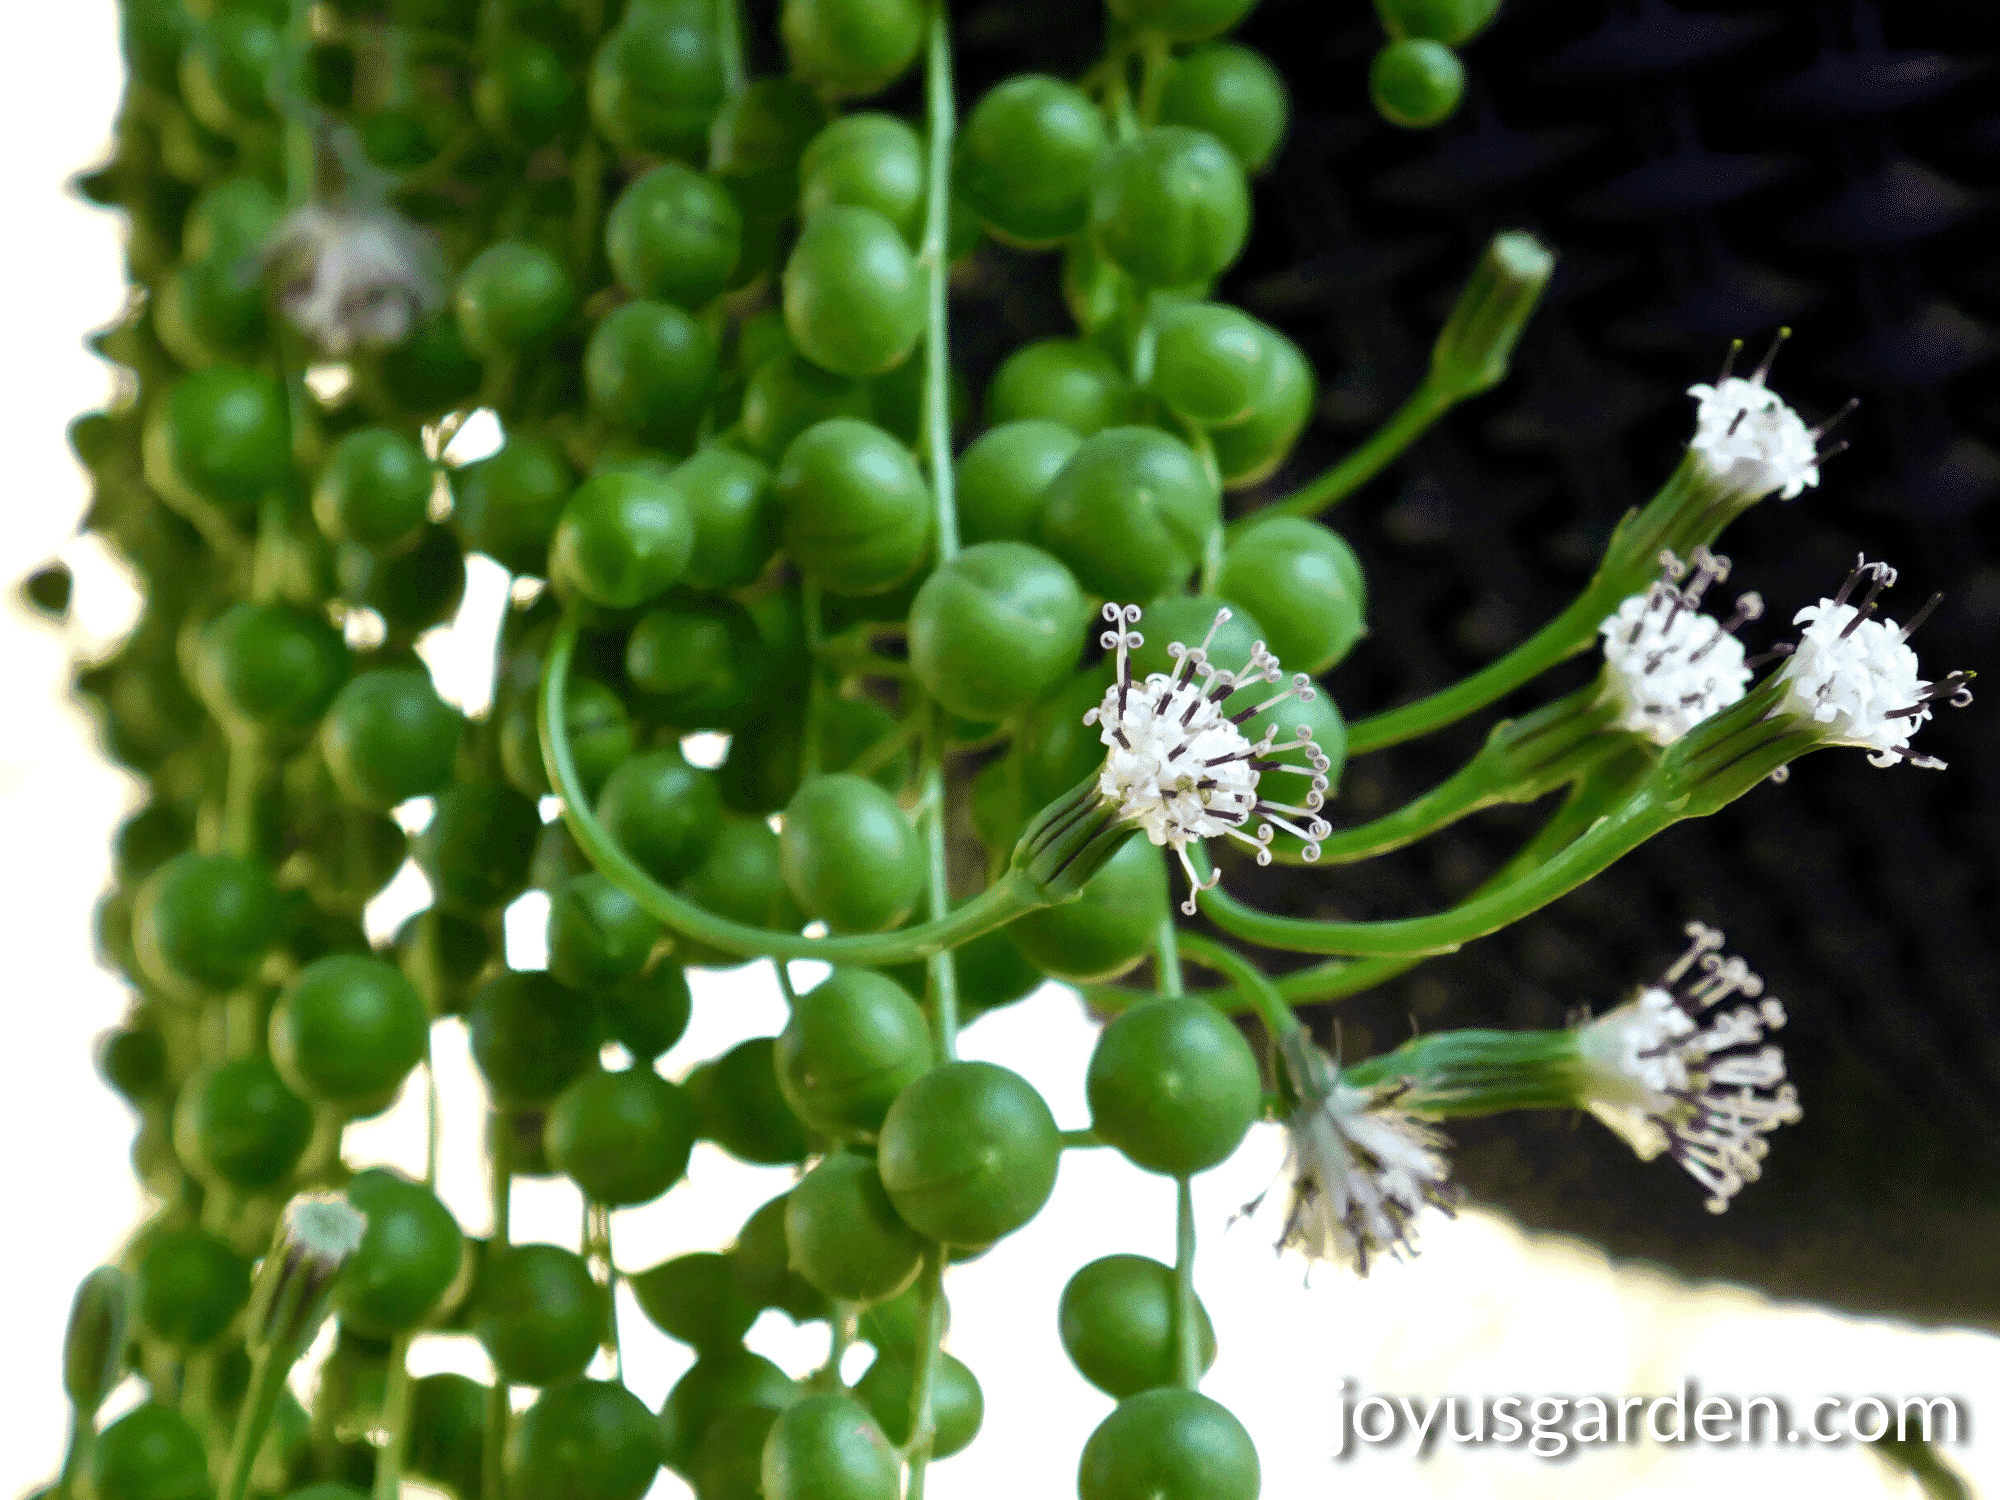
x=1478, y=340
x=317, y=1234
x=94, y=1346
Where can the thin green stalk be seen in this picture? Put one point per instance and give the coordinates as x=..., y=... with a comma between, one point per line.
x=603, y=1240
x=942, y=965
x=923, y=1385
x=1523, y=760
x=1639, y=819
x=500, y=1156
x=1080, y=1140
x=433, y=1126
x=76, y=1454
x=729, y=29
x=1249, y=980
x=1383, y=447
x=785, y=987
x=1689, y=511
x=993, y=907
x=395, y=1422
x=1187, y=1327
x=267, y=1382
x=941, y=117
x=1167, y=955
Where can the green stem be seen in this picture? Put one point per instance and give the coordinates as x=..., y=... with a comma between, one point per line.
x=433, y=1126
x=1249, y=980
x=1639, y=819
x=1187, y=1328
x=923, y=1385
x=942, y=965
x=1167, y=956
x=811, y=757
x=1080, y=1140
x=603, y=1240
x=500, y=1156
x=941, y=112
x=785, y=987
x=1155, y=57
x=1383, y=447
x=1689, y=511
x=729, y=28
x=395, y=1421
x=1523, y=760
x=76, y=1456
x=267, y=1382
x=993, y=907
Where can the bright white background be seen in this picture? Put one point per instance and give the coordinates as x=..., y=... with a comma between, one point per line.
x=1484, y=1310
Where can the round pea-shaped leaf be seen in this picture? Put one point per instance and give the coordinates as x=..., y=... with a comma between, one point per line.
x=512, y=295
x=663, y=812
x=854, y=299
x=851, y=1045
x=1067, y=381
x=531, y=1036
x=221, y=437
x=1169, y=1444
x=1170, y=207
x=996, y=627
x=1173, y=1085
x=735, y=516
x=237, y=1123
x=1250, y=451
x=649, y=370
x=507, y=505
x=624, y=538
x=347, y=1031
x=857, y=514
x=203, y=922
x=958, y=1406
x=674, y=235
x=694, y=1298
x=388, y=737
x=150, y=1453
x=1130, y=513
x=1416, y=82
x=846, y=1238
x=585, y=1440
x=1027, y=157
x=738, y=1105
x=866, y=161
x=851, y=47
x=1117, y=1322
x=1235, y=95
x=478, y=845
x=270, y=667
x=1002, y=475
x=624, y=1138
x=188, y=1287
x=714, y=1385
x=539, y=1313
x=969, y=1153
x=1304, y=585
x=408, y=1258
x=374, y=488
x=849, y=855
x=829, y=1448
x=787, y=393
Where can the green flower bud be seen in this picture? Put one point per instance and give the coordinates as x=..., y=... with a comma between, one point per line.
x=1472, y=352
x=94, y=1346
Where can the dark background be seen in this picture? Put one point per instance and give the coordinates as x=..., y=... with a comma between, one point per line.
x=1705, y=172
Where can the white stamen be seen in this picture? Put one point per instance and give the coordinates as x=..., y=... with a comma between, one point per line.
x=1670, y=1071
x=353, y=277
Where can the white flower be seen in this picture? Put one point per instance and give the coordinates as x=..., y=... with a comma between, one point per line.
x=353, y=276
x=322, y=1230
x=1182, y=769
x=1361, y=1169
x=1667, y=665
x=1674, y=1070
x=1749, y=439
x=1856, y=675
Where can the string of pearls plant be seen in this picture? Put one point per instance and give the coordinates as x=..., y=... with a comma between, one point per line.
x=707, y=314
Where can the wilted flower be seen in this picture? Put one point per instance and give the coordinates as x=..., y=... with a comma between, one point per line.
x=353, y=276
x=1667, y=665
x=1182, y=770
x=1360, y=1168
x=1678, y=1070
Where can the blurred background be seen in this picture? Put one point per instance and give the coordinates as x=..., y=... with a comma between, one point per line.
x=1705, y=172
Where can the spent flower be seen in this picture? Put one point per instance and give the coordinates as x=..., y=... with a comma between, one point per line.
x=1668, y=666
x=1181, y=769
x=352, y=275
x=1680, y=1069
x=1360, y=1167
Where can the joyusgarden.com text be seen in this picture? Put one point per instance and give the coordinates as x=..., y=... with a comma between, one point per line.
x=1554, y=1426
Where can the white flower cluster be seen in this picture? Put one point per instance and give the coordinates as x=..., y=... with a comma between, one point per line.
x=1749, y=439
x=1674, y=1070
x=1856, y=675
x=1183, y=770
x=1360, y=1169
x=1667, y=665
x=353, y=277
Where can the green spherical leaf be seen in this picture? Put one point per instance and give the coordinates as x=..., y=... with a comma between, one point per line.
x=969, y=1153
